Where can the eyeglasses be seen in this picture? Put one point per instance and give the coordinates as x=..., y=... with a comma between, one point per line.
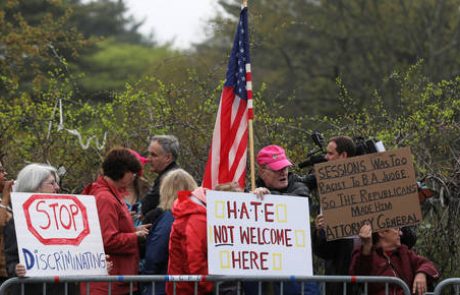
x=53, y=183
x=281, y=171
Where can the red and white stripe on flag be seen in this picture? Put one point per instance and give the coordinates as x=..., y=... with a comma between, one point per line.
x=227, y=156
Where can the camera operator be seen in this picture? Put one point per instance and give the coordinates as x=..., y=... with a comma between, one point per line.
x=337, y=253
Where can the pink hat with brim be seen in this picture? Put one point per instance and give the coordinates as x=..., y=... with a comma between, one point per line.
x=274, y=157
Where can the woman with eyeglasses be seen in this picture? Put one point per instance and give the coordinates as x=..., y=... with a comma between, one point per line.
x=119, y=235
x=33, y=178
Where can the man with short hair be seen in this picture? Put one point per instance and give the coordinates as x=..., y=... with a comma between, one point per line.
x=340, y=147
x=163, y=151
x=337, y=253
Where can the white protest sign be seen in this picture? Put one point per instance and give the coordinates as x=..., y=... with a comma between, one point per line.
x=258, y=237
x=58, y=234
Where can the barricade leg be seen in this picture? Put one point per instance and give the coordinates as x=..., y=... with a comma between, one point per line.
x=323, y=288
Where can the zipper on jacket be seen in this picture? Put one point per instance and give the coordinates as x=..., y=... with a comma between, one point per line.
x=393, y=270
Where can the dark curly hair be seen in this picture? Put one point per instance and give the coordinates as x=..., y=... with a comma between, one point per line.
x=118, y=161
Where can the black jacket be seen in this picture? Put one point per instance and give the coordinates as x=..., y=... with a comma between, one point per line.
x=295, y=187
x=152, y=198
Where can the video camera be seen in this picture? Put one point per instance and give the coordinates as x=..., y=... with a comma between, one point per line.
x=368, y=146
x=318, y=155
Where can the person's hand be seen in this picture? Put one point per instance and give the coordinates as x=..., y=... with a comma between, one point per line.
x=143, y=230
x=365, y=234
x=20, y=270
x=108, y=263
x=419, y=287
x=260, y=192
x=320, y=224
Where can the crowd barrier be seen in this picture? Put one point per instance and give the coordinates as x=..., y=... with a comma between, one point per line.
x=443, y=287
x=322, y=280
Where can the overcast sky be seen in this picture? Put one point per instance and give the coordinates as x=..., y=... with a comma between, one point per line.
x=183, y=21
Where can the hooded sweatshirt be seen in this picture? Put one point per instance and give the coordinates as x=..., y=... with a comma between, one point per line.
x=188, y=242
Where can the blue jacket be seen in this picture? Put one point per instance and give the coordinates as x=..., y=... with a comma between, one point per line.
x=156, y=251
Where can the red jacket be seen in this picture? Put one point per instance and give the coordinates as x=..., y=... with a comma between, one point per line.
x=118, y=235
x=188, y=244
x=402, y=263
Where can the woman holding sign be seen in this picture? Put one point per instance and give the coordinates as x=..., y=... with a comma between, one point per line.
x=382, y=254
x=34, y=178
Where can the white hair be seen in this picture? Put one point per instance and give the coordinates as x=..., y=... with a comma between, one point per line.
x=31, y=177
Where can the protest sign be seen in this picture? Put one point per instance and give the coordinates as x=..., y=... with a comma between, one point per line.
x=58, y=234
x=378, y=188
x=258, y=237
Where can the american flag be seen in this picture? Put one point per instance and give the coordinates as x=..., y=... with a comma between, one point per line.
x=227, y=156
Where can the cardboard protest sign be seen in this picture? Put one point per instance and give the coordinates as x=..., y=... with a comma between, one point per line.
x=58, y=234
x=378, y=188
x=258, y=237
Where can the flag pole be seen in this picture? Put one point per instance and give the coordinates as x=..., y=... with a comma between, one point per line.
x=251, y=155
x=244, y=3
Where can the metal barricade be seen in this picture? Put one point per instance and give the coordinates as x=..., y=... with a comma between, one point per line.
x=218, y=279
x=442, y=286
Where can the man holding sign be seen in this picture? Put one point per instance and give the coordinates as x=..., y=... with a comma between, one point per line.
x=337, y=252
x=273, y=170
